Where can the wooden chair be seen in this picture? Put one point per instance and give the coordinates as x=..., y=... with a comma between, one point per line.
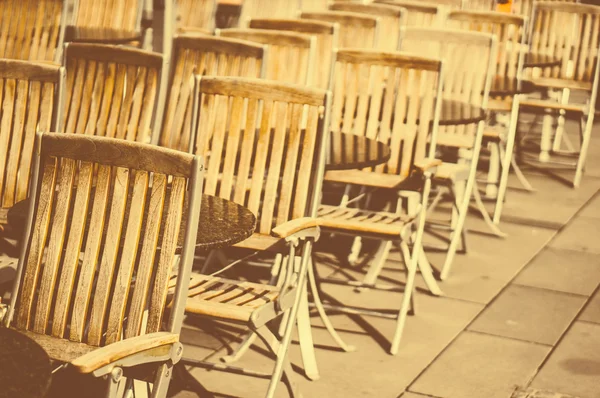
x=577, y=45
x=479, y=5
x=525, y=7
x=203, y=55
x=314, y=5
x=196, y=14
x=402, y=94
x=469, y=64
x=257, y=9
x=326, y=39
x=290, y=55
x=356, y=30
x=267, y=159
x=418, y=13
x=391, y=19
x=111, y=91
x=509, y=29
x=74, y=293
x=32, y=30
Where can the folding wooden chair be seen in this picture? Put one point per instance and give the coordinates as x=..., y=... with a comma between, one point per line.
x=196, y=14
x=102, y=312
x=290, y=55
x=262, y=156
x=326, y=39
x=469, y=63
x=256, y=9
x=111, y=91
x=576, y=43
x=391, y=19
x=403, y=95
x=509, y=29
x=418, y=13
x=33, y=30
x=356, y=30
x=203, y=55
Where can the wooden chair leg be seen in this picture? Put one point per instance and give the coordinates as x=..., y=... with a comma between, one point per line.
x=587, y=132
x=484, y=213
x=307, y=347
x=161, y=381
x=560, y=126
x=427, y=273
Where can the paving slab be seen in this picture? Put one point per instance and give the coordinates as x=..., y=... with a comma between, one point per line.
x=528, y=313
x=582, y=234
x=574, y=366
x=592, y=208
x=562, y=270
x=591, y=312
x=536, y=393
x=415, y=395
x=478, y=365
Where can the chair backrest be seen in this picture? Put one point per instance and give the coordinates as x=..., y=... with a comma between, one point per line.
x=111, y=91
x=105, y=212
x=326, y=39
x=393, y=97
x=391, y=19
x=32, y=30
x=575, y=43
x=266, y=142
x=525, y=7
x=290, y=55
x=99, y=18
x=356, y=30
x=450, y=4
x=252, y=9
x=29, y=104
x=314, y=5
x=418, y=14
x=479, y=5
x=509, y=30
x=204, y=55
x=196, y=14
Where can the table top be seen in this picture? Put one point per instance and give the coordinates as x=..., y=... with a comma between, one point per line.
x=349, y=151
x=535, y=60
x=25, y=369
x=503, y=86
x=457, y=113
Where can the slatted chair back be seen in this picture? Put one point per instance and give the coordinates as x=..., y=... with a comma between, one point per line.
x=392, y=97
x=479, y=5
x=314, y=5
x=115, y=20
x=356, y=30
x=256, y=9
x=105, y=222
x=197, y=14
x=28, y=94
x=290, y=56
x=449, y=4
x=525, y=7
x=418, y=14
x=111, y=91
x=326, y=39
x=32, y=30
x=575, y=43
x=391, y=19
x=266, y=143
x=203, y=55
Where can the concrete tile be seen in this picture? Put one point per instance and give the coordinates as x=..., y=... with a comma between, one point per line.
x=562, y=270
x=574, y=366
x=592, y=208
x=478, y=365
x=415, y=395
x=582, y=234
x=531, y=314
x=591, y=312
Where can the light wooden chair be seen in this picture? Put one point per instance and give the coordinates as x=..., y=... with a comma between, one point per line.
x=326, y=39
x=267, y=159
x=32, y=30
x=469, y=63
x=314, y=5
x=111, y=91
x=509, y=29
x=402, y=94
x=479, y=5
x=256, y=9
x=356, y=30
x=203, y=55
x=525, y=7
x=290, y=56
x=391, y=19
x=576, y=43
x=103, y=312
x=418, y=13
x=196, y=14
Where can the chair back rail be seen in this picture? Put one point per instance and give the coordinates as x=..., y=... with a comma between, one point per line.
x=290, y=55
x=203, y=55
x=32, y=30
x=389, y=96
x=326, y=39
x=104, y=224
x=198, y=14
x=29, y=98
x=418, y=14
x=391, y=19
x=104, y=19
x=356, y=30
x=111, y=91
x=266, y=143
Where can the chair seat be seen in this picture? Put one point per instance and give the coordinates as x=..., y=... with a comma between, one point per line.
x=365, y=178
x=258, y=241
x=58, y=349
x=549, y=82
x=454, y=140
x=452, y=171
x=543, y=105
x=364, y=222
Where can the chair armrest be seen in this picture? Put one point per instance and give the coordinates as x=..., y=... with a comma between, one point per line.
x=427, y=164
x=157, y=345
x=292, y=227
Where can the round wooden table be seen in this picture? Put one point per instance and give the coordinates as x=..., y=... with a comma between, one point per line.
x=349, y=151
x=535, y=60
x=455, y=113
x=25, y=370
